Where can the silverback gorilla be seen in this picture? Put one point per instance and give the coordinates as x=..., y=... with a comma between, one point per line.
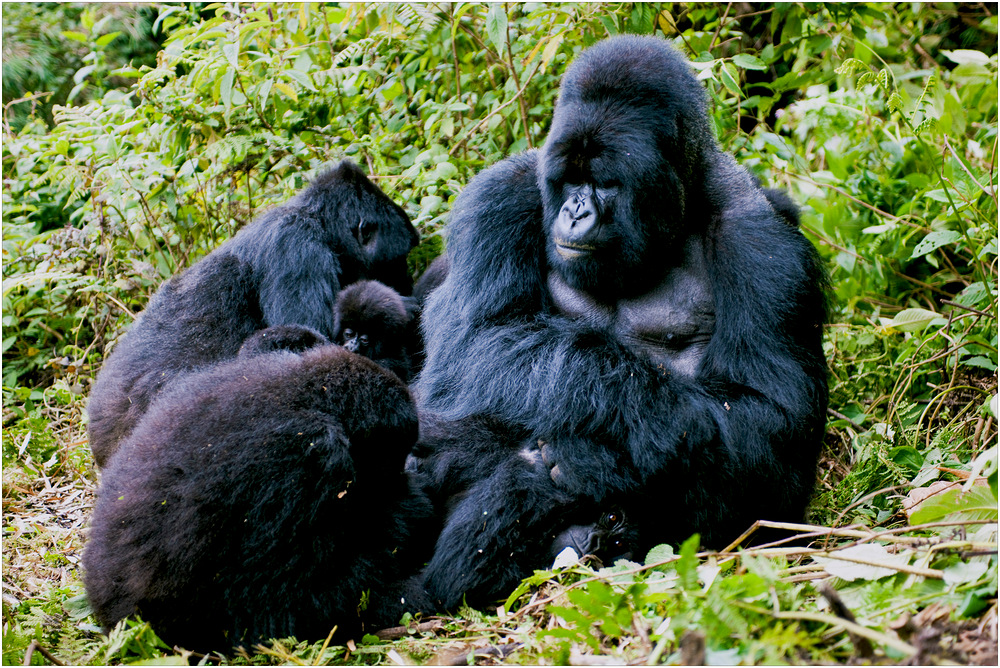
x=264, y=497
x=638, y=317
x=285, y=268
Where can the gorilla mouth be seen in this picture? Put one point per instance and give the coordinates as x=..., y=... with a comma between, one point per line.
x=571, y=251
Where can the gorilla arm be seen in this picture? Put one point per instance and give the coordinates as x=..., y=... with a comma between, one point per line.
x=751, y=415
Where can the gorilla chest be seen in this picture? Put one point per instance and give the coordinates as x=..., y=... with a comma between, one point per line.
x=670, y=325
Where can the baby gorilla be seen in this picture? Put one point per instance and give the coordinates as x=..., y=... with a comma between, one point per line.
x=609, y=539
x=261, y=498
x=375, y=321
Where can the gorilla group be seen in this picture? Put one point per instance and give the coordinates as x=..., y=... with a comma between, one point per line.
x=633, y=317
x=622, y=347
x=284, y=268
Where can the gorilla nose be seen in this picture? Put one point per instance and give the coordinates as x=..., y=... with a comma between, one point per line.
x=577, y=223
x=352, y=344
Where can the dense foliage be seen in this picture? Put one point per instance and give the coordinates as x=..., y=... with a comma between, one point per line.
x=137, y=139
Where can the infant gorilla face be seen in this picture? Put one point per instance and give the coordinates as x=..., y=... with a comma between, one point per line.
x=609, y=539
x=356, y=342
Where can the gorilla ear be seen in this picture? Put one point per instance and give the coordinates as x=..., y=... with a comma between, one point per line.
x=365, y=231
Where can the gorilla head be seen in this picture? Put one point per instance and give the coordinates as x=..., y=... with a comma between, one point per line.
x=373, y=321
x=618, y=168
x=380, y=228
x=610, y=538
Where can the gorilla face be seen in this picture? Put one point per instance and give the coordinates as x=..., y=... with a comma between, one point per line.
x=618, y=167
x=610, y=538
x=381, y=229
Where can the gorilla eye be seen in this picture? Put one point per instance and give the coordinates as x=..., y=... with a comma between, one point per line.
x=366, y=231
x=363, y=339
x=348, y=333
x=616, y=543
x=612, y=518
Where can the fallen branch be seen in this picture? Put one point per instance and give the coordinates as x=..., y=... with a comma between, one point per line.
x=35, y=645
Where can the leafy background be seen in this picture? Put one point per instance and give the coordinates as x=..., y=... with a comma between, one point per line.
x=137, y=137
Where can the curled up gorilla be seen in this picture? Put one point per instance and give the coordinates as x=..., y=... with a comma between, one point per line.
x=264, y=497
x=284, y=268
x=638, y=316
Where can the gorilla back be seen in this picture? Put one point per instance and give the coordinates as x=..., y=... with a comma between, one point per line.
x=261, y=498
x=632, y=299
x=285, y=268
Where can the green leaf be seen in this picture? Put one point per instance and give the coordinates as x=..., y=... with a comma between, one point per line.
x=850, y=66
x=730, y=78
x=301, y=78
x=979, y=503
x=75, y=36
x=913, y=319
x=748, y=62
x=232, y=53
x=963, y=56
x=226, y=87
x=971, y=73
x=659, y=554
x=496, y=26
x=933, y=241
x=263, y=91
x=104, y=40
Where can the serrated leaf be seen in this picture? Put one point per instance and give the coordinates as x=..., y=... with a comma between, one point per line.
x=895, y=102
x=263, y=91
x=748, y=62
x=496, y=26
x=933, y=241
x=659, y=554
x=979, y=503
x=730, y=78
x=232, y=53
x=226, y=87
x=287, y=90
x=913, y=319
x=301, y=78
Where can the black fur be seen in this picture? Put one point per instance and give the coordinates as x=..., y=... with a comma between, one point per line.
x=293, y=338
x=374, y=321
x=669, y=355
x=260, y=498
x=285, y=268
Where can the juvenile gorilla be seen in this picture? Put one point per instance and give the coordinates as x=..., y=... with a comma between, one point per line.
x=374, y=321
x=285, y=268
x=630, y=302
x=263, y=497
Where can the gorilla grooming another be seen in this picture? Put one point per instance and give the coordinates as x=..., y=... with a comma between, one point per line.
x=630, y=302
x=373, y=321
x=285, y=268
x=261, y=498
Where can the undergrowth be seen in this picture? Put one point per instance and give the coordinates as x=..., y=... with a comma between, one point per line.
x=169, y=127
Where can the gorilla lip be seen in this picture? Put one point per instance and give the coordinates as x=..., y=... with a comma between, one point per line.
x=569, y=251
